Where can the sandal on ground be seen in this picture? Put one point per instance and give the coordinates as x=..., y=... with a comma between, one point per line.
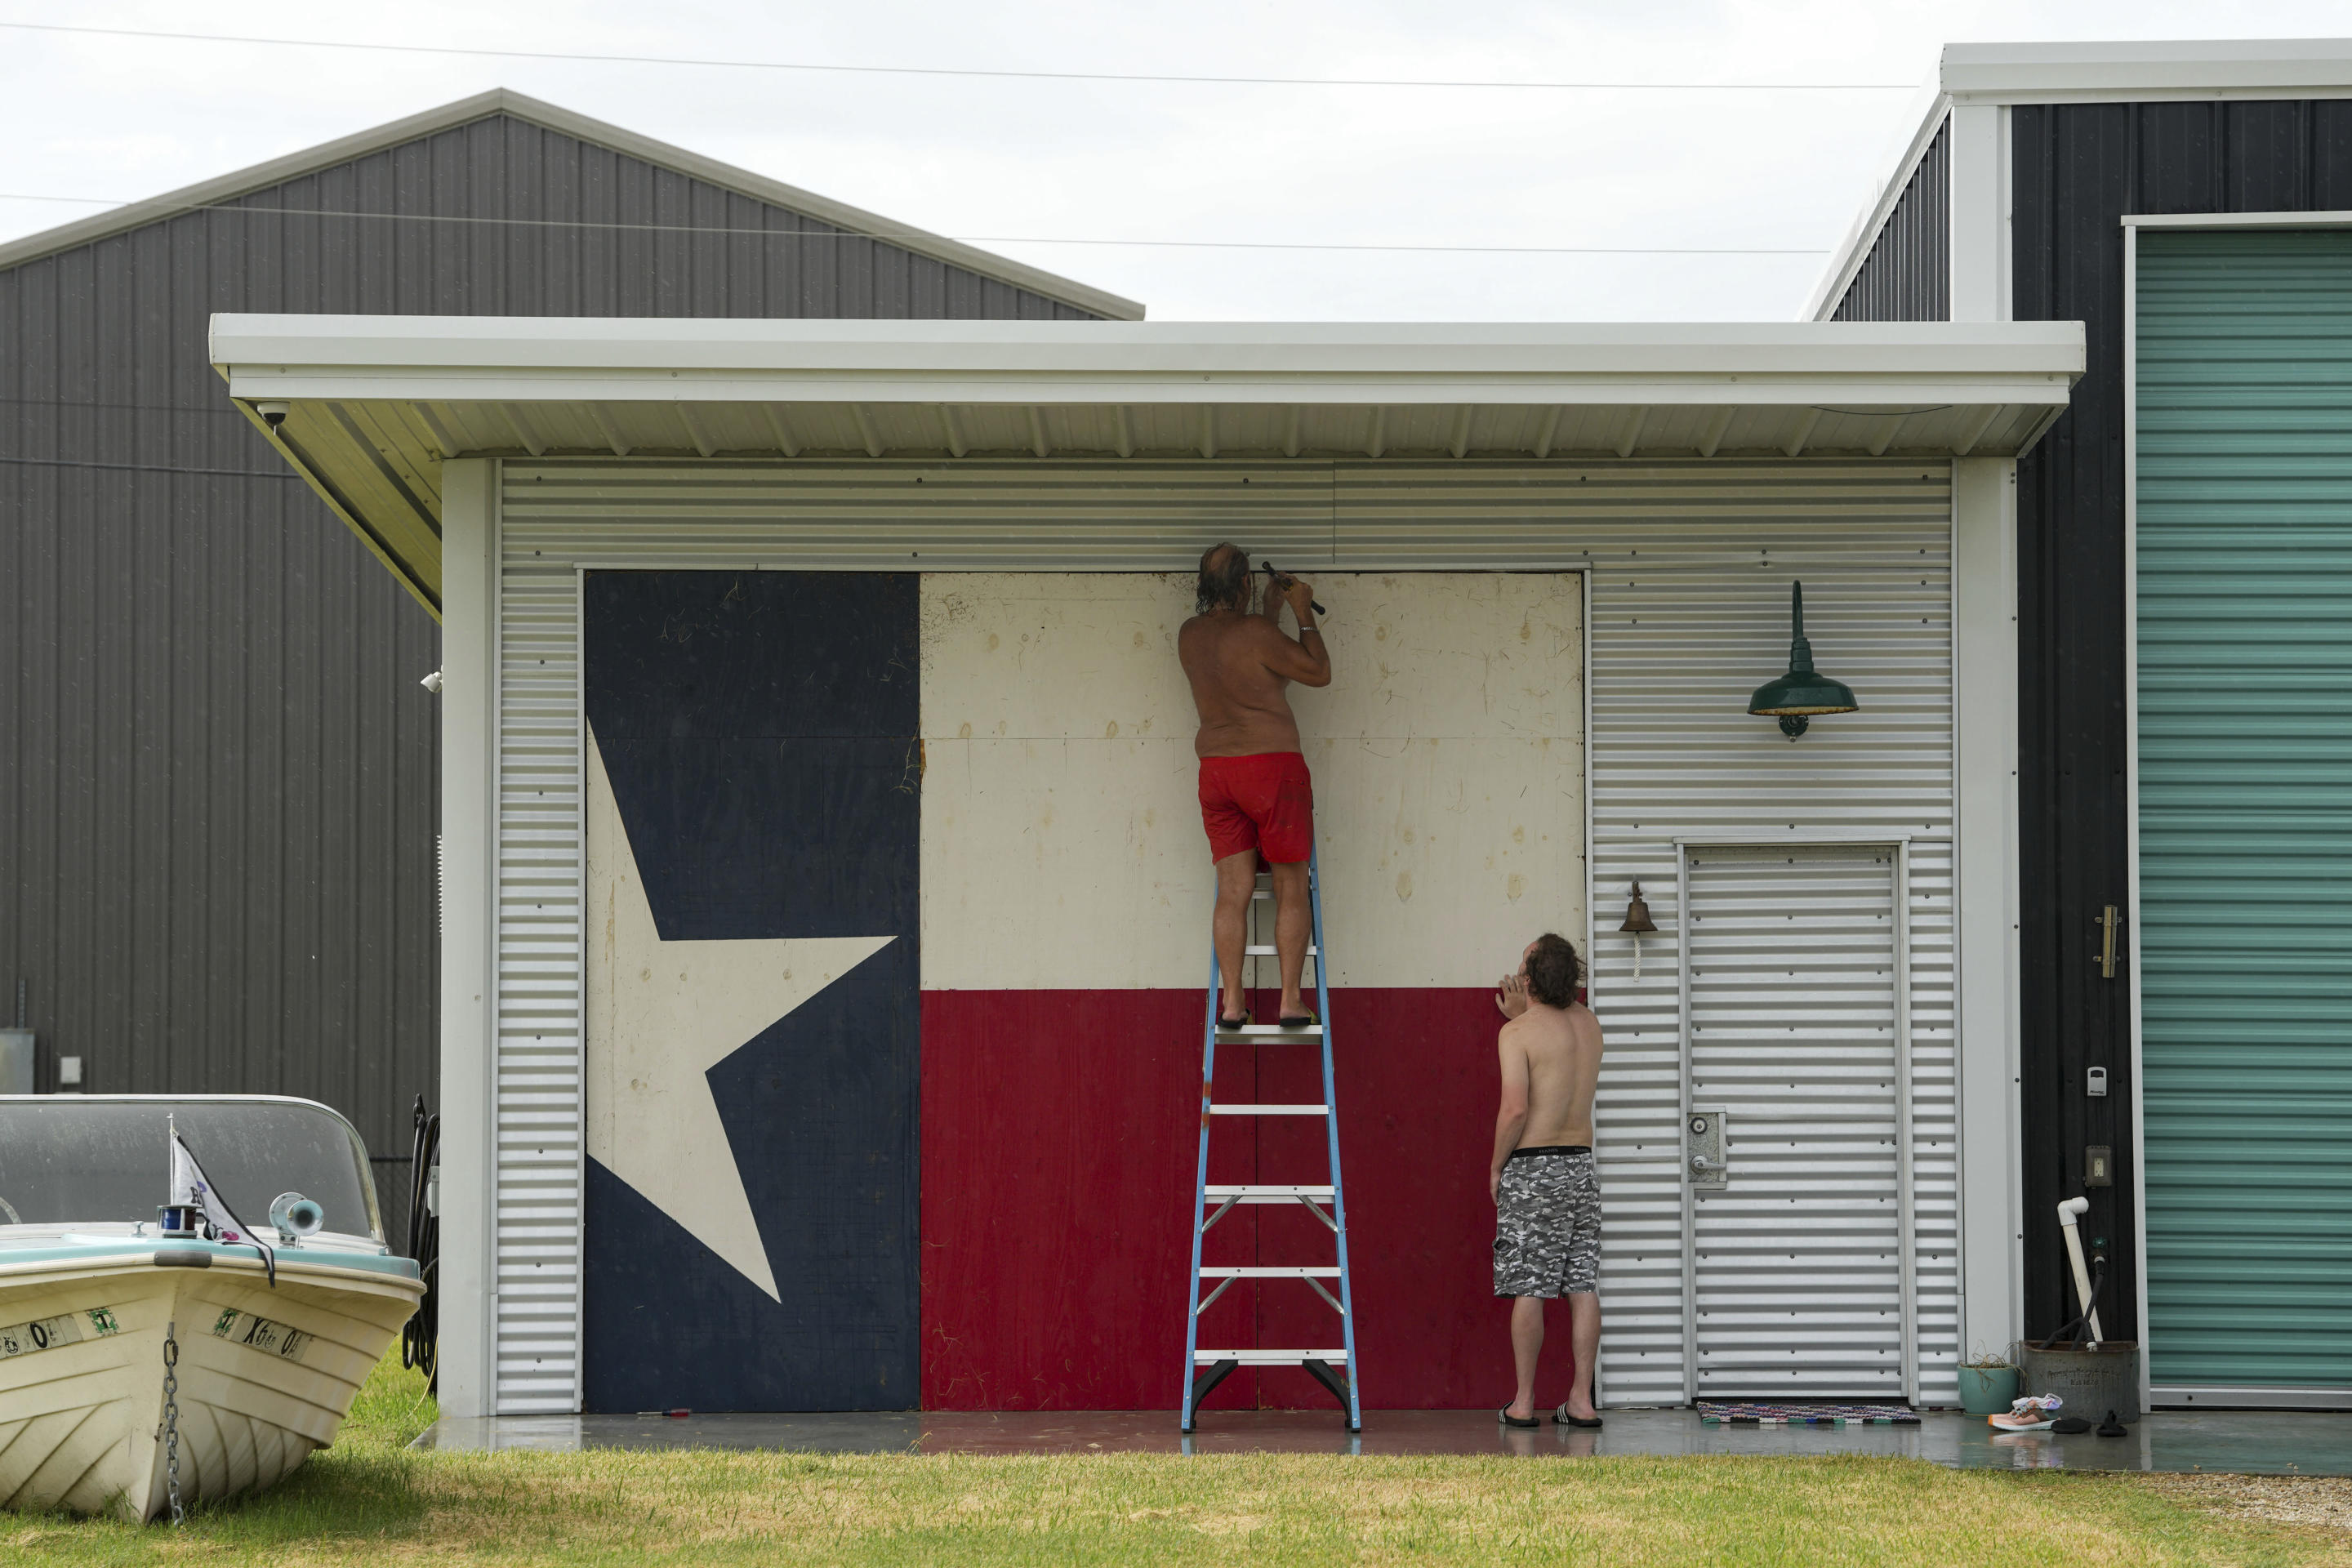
x=1525, y=1422
x=1583, y=1422
x=2032, y=1413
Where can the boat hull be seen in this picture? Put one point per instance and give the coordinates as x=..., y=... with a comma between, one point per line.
x=265, y=1376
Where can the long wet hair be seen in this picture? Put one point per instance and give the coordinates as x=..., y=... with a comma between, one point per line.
x=1224, y=579
x=1552, y=970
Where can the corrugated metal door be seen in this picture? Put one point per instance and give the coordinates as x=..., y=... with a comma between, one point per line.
x=1797, y=1258
x=2244, y=604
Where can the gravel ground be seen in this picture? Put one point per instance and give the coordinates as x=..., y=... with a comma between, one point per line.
x=2285, y=1499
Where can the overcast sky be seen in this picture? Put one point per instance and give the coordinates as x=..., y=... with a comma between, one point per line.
x=1035, y=161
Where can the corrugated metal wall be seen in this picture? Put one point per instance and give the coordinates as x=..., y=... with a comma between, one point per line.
x=2078, y=169
x=2244, y=596
x=1907, y=276
x=217, y=774
x=1690, y=565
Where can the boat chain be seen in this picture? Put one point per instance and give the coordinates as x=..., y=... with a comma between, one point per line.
x=172, y=1422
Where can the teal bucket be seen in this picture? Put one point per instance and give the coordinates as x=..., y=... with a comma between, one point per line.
x=1988, y=1390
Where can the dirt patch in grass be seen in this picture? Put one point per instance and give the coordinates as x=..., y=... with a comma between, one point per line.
x=2324, y=1502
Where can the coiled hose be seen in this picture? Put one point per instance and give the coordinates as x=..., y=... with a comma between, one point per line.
x=420, y=1341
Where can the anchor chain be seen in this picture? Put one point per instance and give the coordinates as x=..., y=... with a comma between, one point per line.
x=171, y=1421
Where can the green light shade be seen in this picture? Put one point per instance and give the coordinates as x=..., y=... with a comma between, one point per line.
x=1803, y=690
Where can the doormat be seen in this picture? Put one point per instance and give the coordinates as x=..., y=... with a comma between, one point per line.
x=1776, y=1413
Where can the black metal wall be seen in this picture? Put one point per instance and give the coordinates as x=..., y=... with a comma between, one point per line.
x=217, y=771
x=1907, y=276
x=2078, y=169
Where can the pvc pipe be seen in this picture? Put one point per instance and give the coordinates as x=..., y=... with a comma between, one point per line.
x=2069, y=1212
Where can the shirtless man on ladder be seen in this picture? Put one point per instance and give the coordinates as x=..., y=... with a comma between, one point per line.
x=1256, y=796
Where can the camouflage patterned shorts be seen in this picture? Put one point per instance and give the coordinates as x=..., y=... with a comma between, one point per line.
x=1547, y=1224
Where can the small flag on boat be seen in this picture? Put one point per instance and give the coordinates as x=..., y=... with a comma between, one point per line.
x=191, y=1189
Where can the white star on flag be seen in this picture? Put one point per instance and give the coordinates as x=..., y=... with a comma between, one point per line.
x=661, y=1015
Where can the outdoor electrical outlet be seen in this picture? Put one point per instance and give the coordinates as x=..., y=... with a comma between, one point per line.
x=1705, y=1149
x=2094, y=1083
x=2099, y=1165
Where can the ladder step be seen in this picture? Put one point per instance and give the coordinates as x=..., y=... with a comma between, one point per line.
x=1269, y=1111
x=1282, y=1272
x=1269, y=1358
x=1258, y=1193
x=1253, y=951
x=1268, y=1034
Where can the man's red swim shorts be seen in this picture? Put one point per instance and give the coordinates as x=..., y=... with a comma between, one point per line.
x=1264, y=801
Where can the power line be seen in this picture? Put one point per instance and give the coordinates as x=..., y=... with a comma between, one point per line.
x=150, y=469
x=161, y=207
x=963, y=72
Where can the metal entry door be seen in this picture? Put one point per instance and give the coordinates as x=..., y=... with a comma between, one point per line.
x=1797, y=1178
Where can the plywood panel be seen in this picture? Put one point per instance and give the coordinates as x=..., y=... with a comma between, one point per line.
x=1057, y=1169
x=751, y=1053
x=1061, y=829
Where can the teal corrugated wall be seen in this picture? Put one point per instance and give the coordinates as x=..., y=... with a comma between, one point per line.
x=2245, y=804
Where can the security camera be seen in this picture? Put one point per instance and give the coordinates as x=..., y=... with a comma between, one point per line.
x=272, y=414
x=432, y=683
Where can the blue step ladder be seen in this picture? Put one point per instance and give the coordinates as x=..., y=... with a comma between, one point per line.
x=1334, y=1369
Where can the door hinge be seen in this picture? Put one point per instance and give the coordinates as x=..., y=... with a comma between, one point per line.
x=2110, y=921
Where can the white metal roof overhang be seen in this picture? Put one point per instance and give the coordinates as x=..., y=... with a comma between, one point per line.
x=372, y=405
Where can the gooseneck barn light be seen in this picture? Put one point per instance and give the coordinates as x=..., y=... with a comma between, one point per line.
x=1795, y=696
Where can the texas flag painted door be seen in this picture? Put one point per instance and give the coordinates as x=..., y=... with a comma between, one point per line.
x=858, y=841
x=752, y=1013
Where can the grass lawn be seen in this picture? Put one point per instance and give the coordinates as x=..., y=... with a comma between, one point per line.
x=370, y=1500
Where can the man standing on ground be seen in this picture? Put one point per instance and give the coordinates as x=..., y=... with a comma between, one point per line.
x=1546, y=1197
x=1256, y=796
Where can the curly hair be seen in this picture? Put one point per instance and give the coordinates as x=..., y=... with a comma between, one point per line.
x=1552, y=970
x=1224, y=579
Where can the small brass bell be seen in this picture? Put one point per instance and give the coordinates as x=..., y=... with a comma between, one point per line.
x=1637, y=920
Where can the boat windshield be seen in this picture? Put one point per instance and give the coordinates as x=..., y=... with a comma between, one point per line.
x=80, y=1160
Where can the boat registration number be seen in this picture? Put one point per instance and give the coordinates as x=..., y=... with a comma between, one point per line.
x=66, y=1328
x=262, y=1334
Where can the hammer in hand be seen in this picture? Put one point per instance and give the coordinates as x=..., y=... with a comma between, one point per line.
x=1282, y=579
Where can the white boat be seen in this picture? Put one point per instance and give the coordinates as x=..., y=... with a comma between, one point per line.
x=92, y=1289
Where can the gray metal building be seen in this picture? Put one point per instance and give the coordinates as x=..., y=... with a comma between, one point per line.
x=217, y=769
x=2179, y=579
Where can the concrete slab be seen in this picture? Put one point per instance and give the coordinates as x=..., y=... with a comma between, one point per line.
x=2235, y=1442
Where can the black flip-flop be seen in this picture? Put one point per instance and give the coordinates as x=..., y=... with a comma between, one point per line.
x=1301, y=1021
x=1565, y=1419
x=1225, y=1022
x=1507, y=1419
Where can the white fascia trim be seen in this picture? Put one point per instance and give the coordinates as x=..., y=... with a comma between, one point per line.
x=1986, y=885
x=2148, y=72
x=1862, y=233
x=532, y=359
x=519, y=106
x=2137, y=1104
x=2236, y=220
x=2086, y=73
x=468, y=714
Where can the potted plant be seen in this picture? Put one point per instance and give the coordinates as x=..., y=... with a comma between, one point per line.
x=1988, y=1383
